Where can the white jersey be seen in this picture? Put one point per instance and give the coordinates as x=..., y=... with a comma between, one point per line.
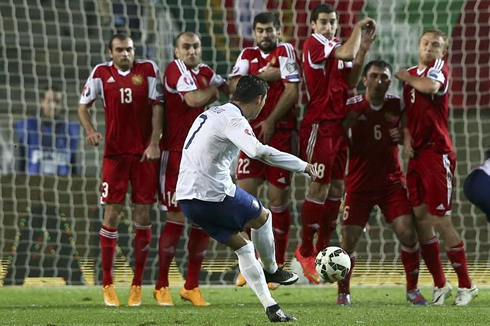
x=212, y=143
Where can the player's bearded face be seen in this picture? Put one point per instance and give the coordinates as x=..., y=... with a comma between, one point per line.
x=122, y=53
x=189, y=50
x=266, y=36
x=326, y=24
x=431, y=47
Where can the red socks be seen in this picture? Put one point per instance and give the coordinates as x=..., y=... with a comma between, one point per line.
x=411, y=264
x=108, y=243
x=310, y=220
x=344, y=285
x=328, y=222
x=457, y=256
x=430, y=250
x=141, y=248
x=167, y=244
x=197, y=246
x=281, y=223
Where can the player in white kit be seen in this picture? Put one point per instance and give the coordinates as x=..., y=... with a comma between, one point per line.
x=208, y=196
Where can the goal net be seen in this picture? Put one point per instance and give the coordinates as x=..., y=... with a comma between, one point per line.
x=50, y=219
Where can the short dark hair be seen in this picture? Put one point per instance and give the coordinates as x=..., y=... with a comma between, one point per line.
x=267, y=17
x=119, y=36
x=181, y=34
x=323, y=8
x=249, y=87
x=377, y=63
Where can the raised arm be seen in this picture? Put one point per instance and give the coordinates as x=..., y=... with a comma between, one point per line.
x=348, y=50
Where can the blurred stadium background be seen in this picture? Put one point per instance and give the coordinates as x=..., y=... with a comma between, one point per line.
x=49, y=225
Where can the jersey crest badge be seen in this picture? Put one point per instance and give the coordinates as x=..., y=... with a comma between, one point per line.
x=137, y=80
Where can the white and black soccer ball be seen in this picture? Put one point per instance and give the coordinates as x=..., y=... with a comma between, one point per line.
x=332, y=264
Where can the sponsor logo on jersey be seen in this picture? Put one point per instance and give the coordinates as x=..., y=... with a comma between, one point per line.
x=433, y=75
x=295, y=76
x=137, y=80
x=111, y=80
x=86, y=91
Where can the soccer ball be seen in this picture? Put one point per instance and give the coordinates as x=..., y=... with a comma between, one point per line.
x=332, y=264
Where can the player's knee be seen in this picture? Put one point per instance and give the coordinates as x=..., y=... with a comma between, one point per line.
x=176, y=217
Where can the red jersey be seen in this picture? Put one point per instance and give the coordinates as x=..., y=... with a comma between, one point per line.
x=326, y=79
x=373, y=159
x=427, y=114
x=128, y=99
x=252, y=60
x=179, y=80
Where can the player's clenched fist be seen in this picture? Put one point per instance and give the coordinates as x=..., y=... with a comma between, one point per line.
x=93, y=138
x=367, y=24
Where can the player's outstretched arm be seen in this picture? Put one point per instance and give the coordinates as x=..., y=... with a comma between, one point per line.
x=422, y=84
x=239, y=133
x=93, y=136
x=349, y=49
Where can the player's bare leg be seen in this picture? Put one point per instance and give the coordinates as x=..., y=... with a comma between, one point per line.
x=252, y=186
x=310, y=218
x=403, y=226
x=108, y=243
x=142, y=225
x=430, y=250
x=456, y=253
x=252, y=269
x=350, y=237
x=281, y=223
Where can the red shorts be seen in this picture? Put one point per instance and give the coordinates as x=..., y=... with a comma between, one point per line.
x=284, y=140
x=358, y=205
x=430, y=180
x=118, y=171
x=325, y=145
x=169, y=173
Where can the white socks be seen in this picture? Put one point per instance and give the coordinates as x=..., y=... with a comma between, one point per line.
x=263, y=240
x=253, y=273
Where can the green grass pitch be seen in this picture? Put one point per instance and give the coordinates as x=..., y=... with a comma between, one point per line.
x=312, y=305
